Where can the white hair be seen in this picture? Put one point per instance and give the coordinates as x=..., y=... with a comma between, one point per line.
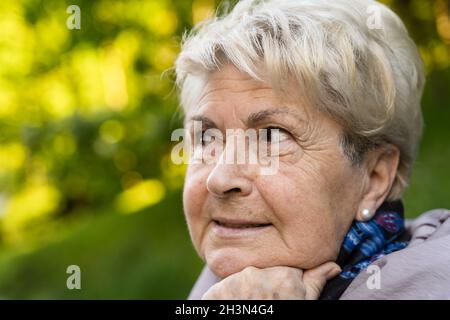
x=352, y=59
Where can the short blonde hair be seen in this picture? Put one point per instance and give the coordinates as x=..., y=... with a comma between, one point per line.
x=352, y=59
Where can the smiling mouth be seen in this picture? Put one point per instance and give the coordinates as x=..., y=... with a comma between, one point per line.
x=240, y=225
x=234, y=229
x=226, y=228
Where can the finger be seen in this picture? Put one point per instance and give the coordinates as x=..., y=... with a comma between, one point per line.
x=277, y=269
x=212, y=293
x=227, y=288
x=316, y=278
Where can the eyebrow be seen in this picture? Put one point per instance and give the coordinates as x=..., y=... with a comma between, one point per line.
x=207, y=122
x=253, y=119
x=261, y=116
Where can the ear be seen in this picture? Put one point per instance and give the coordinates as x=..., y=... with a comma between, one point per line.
x=380, y=169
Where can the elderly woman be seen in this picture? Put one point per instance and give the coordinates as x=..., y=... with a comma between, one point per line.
x=337, y=85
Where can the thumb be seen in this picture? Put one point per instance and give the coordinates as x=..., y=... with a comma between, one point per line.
x=316, y=278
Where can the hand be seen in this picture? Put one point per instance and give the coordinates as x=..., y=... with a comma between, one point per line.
x=275, y=283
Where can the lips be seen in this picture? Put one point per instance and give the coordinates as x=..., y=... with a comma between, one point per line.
x=234, y=229
x=240, y=224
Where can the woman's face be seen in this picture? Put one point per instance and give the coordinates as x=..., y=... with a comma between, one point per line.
x=298, y=215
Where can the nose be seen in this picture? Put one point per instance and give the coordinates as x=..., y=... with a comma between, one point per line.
x=229, y=179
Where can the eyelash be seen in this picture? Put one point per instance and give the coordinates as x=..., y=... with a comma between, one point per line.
x=281, y=130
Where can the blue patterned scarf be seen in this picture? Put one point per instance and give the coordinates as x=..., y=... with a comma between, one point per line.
x=366, y=242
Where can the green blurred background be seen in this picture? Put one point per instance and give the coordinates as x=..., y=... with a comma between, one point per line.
x=85, y=123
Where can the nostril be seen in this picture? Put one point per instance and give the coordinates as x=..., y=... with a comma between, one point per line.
x=234, y=190
x=222, y=182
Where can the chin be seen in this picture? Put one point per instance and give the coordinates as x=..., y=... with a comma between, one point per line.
x=224, y=262
x=227, y=261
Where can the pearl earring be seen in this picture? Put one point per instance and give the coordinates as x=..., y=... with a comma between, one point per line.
x=366, y=214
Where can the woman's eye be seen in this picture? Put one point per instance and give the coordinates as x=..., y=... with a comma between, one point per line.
x=275, y=134
x=206, y=137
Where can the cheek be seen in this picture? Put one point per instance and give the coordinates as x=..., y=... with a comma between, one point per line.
x=194, y=197
x=306, y=214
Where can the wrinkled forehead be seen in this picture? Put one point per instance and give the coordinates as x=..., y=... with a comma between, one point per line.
x=230, y=92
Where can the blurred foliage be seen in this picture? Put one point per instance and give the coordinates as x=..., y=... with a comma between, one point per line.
x=85, y=123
